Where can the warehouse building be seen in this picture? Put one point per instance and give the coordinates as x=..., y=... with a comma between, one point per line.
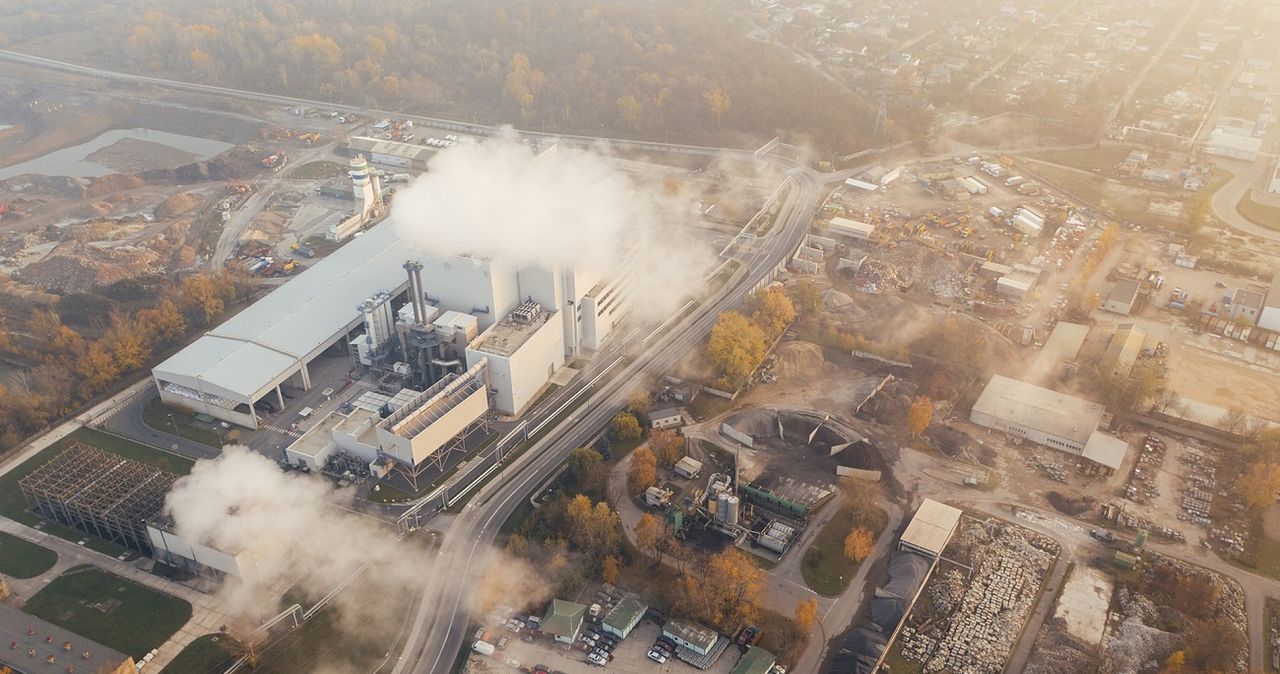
x=390, y=153
x=1123, y=349
x=1046, y=417
x=851, y=229
x=930, y=528
x=33, y=645
x=1269, y=317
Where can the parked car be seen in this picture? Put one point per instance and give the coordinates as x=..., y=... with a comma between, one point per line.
x=657, y=656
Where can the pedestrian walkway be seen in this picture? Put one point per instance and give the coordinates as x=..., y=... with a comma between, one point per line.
x=207, y=612
x=293, y=433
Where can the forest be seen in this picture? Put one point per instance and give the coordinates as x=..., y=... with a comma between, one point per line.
x=94, y=341
x=654, y=69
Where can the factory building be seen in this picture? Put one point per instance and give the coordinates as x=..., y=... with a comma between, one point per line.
x=194, y=558
x=526, y=320
x=524, y=350
x=33, y=645
x=1046, y=417
x=390, y=153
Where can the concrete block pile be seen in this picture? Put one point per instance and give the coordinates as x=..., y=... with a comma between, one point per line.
x=976, y=634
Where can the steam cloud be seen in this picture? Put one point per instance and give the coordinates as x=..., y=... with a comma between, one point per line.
x=289, y=526
x=292, y=529
x=499, y=199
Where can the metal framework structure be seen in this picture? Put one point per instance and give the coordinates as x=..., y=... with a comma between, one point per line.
x=101, y=494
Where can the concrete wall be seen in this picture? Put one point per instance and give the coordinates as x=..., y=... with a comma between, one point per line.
x=516, y=379
x=465, y=284
x=1034, y=435
x=423, y=445
x=175, y=545
x=735, y=434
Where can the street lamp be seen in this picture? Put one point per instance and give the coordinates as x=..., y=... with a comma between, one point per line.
x=173, y=422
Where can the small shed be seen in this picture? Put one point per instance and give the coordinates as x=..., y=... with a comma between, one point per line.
x=624, y=617
x=688, y=467
x=931, y=528
x=563, y=620
x=666, y=416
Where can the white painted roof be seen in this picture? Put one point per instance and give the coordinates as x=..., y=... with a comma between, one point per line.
x=1105, y=449
x=277, y=333
x=1039, y=408
x=931, y=527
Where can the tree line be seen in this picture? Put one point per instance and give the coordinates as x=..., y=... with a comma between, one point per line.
x=72, y=365
x=661, y=70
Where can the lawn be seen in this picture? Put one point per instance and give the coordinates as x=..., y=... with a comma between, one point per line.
x=177, y=421
x=110, y=610
x=21, y=559
x=209, y=653
x=14, y=506
x=321, y=645
x=825, y=567
x=1257, y=213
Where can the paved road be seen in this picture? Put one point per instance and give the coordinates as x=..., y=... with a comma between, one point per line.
x=127, y=421
x=1246, y=176
x=293, y=101
x=440, y=624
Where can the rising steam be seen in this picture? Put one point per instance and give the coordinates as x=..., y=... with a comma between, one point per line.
x=500, y=199
x=289, y=527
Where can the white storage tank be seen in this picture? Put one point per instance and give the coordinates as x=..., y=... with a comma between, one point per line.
x=727, y=512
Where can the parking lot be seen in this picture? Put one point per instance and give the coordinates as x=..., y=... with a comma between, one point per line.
x=629, y=656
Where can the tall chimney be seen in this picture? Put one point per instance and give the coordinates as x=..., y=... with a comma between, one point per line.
x=414, y=270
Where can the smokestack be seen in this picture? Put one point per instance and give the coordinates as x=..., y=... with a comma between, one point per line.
x=414, y=269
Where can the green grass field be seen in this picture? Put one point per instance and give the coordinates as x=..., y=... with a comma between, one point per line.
x=1258, y=213
x=110, y=610
x=825, y=567
x=177, y=421
x=22, y=559
x=14, y=507
x=210, y=653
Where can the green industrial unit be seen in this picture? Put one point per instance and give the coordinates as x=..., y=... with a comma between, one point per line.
x=624, y=617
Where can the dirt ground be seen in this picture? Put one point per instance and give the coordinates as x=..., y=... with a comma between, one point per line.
x=129, y=155
x=1217, y=381
x=1083, y=604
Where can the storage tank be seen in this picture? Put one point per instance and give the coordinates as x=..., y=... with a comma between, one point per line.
x=727, y=512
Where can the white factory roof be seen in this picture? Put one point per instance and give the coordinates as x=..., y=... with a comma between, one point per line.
x=274, y=335
x=1039, y=408
x=1105, y=449
x=847, y=226
x=390, y=148
x=931, y=527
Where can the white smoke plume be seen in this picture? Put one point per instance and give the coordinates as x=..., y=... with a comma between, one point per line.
x=501, y=199
x=290, y=528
